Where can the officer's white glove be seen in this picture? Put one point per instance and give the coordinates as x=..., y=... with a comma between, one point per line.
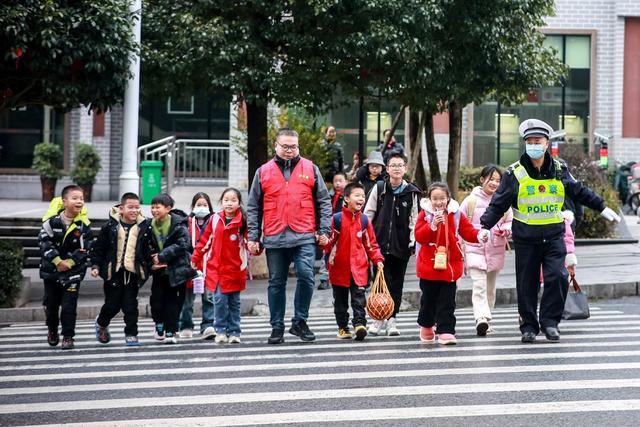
x=483, y=235
x=610, y=215
x=571, y=260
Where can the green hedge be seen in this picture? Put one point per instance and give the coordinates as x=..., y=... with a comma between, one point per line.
x=11, y=258
x=589, y=173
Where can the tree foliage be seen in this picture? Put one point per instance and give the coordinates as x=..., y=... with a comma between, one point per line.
x=64, y=53
x=433, y=55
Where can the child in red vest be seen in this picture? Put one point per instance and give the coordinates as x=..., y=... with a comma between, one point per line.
x=440, y=261
x=351, y=246
x=224, y=240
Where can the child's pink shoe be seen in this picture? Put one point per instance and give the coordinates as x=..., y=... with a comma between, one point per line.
x=447, y=339
x=427, y=334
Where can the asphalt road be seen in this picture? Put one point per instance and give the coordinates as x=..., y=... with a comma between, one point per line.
x=590, y=378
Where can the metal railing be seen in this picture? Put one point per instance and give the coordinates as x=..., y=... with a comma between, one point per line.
x=189, y=161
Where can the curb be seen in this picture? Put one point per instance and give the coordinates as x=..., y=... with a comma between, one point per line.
x=411, y=301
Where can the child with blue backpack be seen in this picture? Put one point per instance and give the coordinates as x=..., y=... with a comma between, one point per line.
x=440, y=262
x=351, y=246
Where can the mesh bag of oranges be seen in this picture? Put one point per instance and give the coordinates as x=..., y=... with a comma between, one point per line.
x=379, y=303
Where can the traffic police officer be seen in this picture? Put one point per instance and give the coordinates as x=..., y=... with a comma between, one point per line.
x=535, y=187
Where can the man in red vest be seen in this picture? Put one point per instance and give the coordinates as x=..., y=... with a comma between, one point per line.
x=290, y=209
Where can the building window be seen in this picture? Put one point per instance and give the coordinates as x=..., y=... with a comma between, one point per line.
x=193, y=117
x=379, y=114
x=495, y=134
x=180, y=106
x=21, y=129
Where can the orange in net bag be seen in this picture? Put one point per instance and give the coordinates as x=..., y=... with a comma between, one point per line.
x=380, y=304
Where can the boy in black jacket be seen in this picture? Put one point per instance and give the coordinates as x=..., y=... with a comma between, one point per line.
x=170, y=247
x=64, y=241
x=119, y=257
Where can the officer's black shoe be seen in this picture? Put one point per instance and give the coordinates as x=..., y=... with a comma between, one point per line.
x=552, y=333
x=528, y=337
x=301, y=330
x=324, y=285
x=277, y=336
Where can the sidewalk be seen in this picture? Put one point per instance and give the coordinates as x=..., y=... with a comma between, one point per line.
x=604, y=271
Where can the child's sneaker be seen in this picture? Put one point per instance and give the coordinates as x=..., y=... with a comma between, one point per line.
x=447, y=339
x=482, y=325
x=131, y=340
x=158, y=334
x=53, y=338
x=361, y=332
x=377, y=327
x=344, y=334
x=221, y=339
x=392, y=328
x=67, y=343
x=186, y=333
x=427, y=334
x=209, y=333
x=102, y=334
x=490, y=330
x=170, y=338
x=234, y=339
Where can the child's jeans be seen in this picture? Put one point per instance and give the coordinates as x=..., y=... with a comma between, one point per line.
x=121, y=294
x=341, y=305
x=437, y=305
x=208, y=310
x=166, y=302
x=60, y=305
x=483, y=296
x=227, y=312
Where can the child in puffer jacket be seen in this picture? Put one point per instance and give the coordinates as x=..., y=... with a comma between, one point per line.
x=440, y=262
x=484, y=262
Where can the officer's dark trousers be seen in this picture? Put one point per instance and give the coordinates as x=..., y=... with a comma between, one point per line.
x=529, y=257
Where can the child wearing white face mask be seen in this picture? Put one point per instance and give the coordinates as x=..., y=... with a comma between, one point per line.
x=201, y=211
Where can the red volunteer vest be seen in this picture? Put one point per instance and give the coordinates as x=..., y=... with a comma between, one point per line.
x=288, y=203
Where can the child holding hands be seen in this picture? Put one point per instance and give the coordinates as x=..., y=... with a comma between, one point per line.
x=440, y=262
x=351, y=246
x=225, y=241
x=484, y=262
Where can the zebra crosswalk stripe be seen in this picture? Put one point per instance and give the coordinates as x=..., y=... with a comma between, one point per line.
x=202, y=383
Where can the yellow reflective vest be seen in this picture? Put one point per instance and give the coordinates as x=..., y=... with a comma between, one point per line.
x=539, y=200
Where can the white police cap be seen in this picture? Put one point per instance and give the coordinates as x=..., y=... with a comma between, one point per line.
x=534, y=127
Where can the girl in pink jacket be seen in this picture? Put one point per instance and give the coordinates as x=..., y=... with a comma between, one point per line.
x=484, y=261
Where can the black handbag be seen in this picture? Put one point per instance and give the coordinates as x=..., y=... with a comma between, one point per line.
x=576, y=306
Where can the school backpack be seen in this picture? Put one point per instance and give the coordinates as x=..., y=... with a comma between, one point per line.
x=337, y=221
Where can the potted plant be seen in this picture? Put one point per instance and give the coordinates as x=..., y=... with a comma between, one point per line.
x=47, y=160
x=86, y=167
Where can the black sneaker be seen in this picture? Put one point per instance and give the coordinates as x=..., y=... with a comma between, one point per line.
x=301, y=330
x=67, y=343
x=324, y=285
x=277, y=336
x=53, y=338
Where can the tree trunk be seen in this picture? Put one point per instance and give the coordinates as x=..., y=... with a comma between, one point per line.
x=455, y=142
x=394, y=126
x=432, y=150
x=257, y=134
x=416, y=168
